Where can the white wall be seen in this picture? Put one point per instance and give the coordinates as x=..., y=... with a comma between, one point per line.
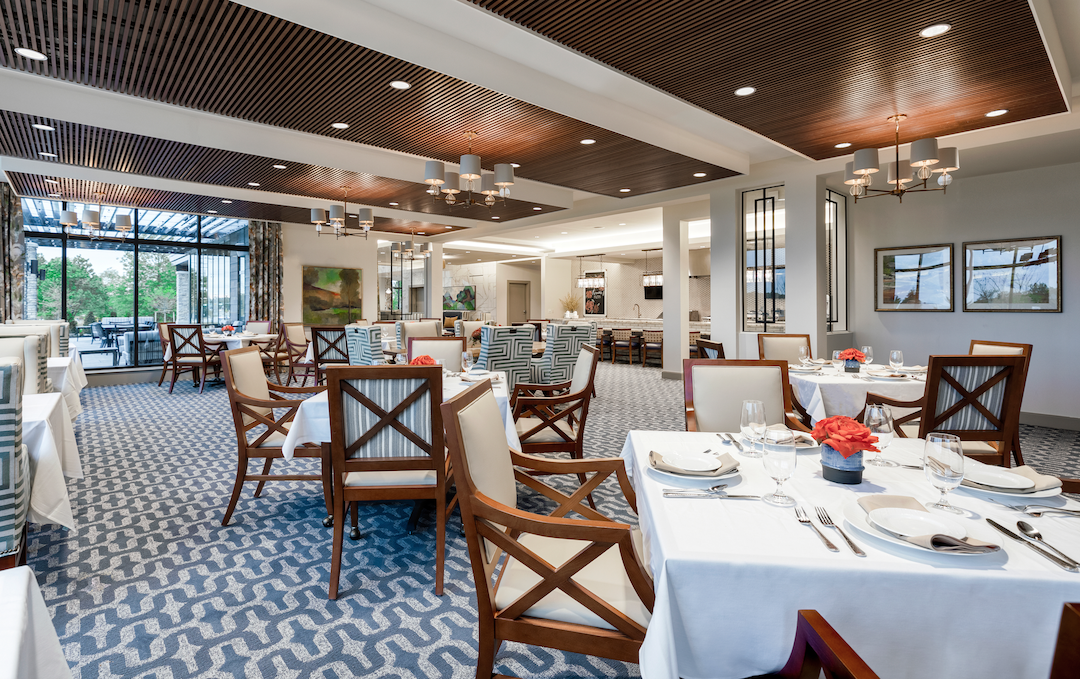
x=303, y=248
x=1039, y=202
x=480, y=275
x=505, y=273
x=555, y=281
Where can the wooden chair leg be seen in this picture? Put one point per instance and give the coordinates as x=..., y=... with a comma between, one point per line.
x=440, y=542
x=265, y=471
x=175, y=374
x=202, y=381
x=164, y=367
x=238, y=486
x=354, y=532
x=339, y=537
x=489, y=646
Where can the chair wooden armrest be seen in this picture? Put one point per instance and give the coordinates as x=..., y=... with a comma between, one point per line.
x=1070, y=486
x=794, y=421
x=818, y=646
x=602, y=466
x=878, y=399
x=800, y=411
x=521, y=390
x=542, y=402
x=281, y=388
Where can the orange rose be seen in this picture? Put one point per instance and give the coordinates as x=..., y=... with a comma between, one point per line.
x=853, y=354
x=844, y=435
x=427, y=360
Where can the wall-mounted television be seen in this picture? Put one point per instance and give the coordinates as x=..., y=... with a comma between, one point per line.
x=654, y=292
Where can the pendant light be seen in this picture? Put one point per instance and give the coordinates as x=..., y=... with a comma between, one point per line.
x=651, y=279
x=470, y=178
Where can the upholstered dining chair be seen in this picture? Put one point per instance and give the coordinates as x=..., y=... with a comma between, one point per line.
x=466, y=328
x=33, y=349
x=329, y=347
x=445, y=349
x=61, y=333
x=989, y=347
x=714, y=390
x=261, y=428
x=508, y=349
x=550, y=418
x=975, y=397
x=695, y=335
x=710, y=349
x=386, y=443
x=296, y=345
x=573, y=585
x=274, y=354
x=622, y=339
x=778, y=347
x=652, y=346
x=365, y=345
x=258, y=327
x=541, y=326
x=191, y=353
x=562, y=346
x=407, y=329
x=14, y=465
x=166, y=354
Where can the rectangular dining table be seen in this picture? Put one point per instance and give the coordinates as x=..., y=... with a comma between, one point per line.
x=69, y=378
x=49, y=438
x=730, y=576
x=830, y=392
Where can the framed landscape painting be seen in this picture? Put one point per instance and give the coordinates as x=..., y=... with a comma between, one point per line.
x=917, y=278
x=1018, y=274
x=463, y=300
x=331, y=296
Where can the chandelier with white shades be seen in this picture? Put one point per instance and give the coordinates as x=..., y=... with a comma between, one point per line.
x=470, y=178
x=925, y=161
x=337, y=219
x=91, y=221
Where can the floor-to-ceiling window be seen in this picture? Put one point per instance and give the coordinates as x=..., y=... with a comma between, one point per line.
x=764, y=286
x=114, y=288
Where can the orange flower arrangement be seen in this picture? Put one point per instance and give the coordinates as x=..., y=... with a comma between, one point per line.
x=844, y=435
x=476, y=334
x=228, y=327
x=427, y=360
x=853, y=355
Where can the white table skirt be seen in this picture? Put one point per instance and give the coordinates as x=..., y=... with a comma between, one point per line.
x=312, y=421
x=69, y=379
x=828, y=392
x=730, y=576
x=29, y=647
x=50, y=440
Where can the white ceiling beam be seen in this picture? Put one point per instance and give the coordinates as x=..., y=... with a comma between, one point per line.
x=1048, y=29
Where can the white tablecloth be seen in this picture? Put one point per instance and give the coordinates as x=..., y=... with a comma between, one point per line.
x=730, y=576
x=828, y=392
x=312, y=421
x=230, y=342
x=29, y=647
x=50, y=440
x=69, y=379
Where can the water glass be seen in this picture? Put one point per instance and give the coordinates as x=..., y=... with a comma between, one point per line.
x=878, y=419
x=896, y=359
x=869, y=351
x=943, y=464
x=402, y=359
x=804, y=355
x=780, y=460
x=466, y=360
x=837, y=362
x=752, y=425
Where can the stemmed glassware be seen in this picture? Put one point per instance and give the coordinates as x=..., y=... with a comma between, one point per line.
x=869, y=352
x=752, y=425
x=780, y=461
x=943, y=464
x=896, y=359
x=804, y=355
x=837, y=362
x=878, y=419
x=402, y=359
x=466, y=360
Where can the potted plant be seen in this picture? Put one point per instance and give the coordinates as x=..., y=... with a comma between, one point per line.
x=853, y=360
x=570, y=304
x=843, y=441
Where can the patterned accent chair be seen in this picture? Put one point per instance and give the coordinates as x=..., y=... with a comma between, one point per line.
x=652, y=343
x=14, y=465
x=60, y=337
x=379, y=457
x=30, y=349
x=47, y=345
x=508, y=349
x=777, y=347
x=365, y=345
x=714, y=389
x=329, y=347
x=560, y=354
x=407, y=329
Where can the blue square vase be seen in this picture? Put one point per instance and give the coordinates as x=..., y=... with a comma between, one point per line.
x=836, y=468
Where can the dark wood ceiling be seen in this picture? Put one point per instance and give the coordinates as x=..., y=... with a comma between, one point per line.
x=83, y=191
x=98, y=148
x=223, y=58
x=826, y=71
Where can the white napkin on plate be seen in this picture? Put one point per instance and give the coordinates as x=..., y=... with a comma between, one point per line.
x=934, y=543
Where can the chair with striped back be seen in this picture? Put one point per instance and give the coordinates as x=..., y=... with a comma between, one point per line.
x=14, y=465
x=652, y=345
x=710, y=349
x=61, y=336
x=50, y=333
x=190, y=352
x=32, y=351
x=329, y=347
x=386, y=443
x=992, y=348
x=561, y=350
x=508, y=349
x=365, y=345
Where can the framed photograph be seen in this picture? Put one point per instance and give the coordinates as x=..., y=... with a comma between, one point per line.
x=1018, y=274
x=331, y=296
x=594, y=298
x=917, y=278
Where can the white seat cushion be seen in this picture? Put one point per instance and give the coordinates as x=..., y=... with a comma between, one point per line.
x=545, y=435
x=274, y=440
x=605, y=577
x=398, y=477
x=195, y=359
x=978, y=448
x=911, y=429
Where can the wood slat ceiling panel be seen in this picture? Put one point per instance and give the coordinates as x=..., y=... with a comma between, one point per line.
x=827, y=71
x=227, y=59
x=83, y=191
x=98, y=148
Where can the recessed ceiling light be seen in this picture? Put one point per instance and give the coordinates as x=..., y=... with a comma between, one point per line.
x=843, y=145
x=280, y=167
x=340, y=126
x=478, y=259
x=536, y=236
x=213, y=212
x=495, y=217
x=468, y=252
x=226, y=201
x=30, y=54
x=45, y=128
x=935, y=30
x=745, y=91
x=47, y=154
x=699, y=174
x=624, y=190
x=513, y=255
x=565, y=232
x=538, y=209
x=588, y=141
x=514, y=165
x=51, y=181
x=998, y=112
x=399, y=85
x=393, y=203
x=54, y=195
x=253, y=183
x=622, y=223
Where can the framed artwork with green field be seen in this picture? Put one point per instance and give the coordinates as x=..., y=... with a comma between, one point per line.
x=331, y=295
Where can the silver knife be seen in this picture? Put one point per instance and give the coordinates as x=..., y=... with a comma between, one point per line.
x=738, y=446
x=1060, y=562
x=718, y=496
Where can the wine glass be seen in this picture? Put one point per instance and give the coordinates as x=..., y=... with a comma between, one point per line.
x=879, y=421
x=804, y=355
x=466, y=360
x=780, y=461
x=837, y=362
x=943, y=464
x=896, y=359
x=752, y=425
x=869, y=351
x=402, y=359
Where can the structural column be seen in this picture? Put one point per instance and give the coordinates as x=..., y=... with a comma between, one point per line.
x=554, y=285
x=433, y=281
x=725, y=268
x=804, y=248
x=676, y=293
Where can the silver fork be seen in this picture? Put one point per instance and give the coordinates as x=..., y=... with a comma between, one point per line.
x=1037, y=510
x=826, y=520
x=800, y=514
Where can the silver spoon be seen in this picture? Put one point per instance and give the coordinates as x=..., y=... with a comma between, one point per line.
x=1033, y=534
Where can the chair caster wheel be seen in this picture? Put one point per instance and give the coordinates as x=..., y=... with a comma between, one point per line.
x=354, y=534
x=328, y=522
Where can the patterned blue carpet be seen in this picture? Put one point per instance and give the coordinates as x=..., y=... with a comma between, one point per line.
x=150, y=584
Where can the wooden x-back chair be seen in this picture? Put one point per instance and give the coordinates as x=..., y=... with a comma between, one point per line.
x=386, y=443
x=329, y=348
x=818, y=647
x=296, y=344
x=576, y=585
x=256, y=406
x=189, y=352
x=714, y=389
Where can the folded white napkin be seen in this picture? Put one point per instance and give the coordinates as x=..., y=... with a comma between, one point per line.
x=725, y=464
x=1042, y=482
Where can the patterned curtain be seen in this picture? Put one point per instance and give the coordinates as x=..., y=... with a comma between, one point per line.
x=12, y=255
x=265, y=300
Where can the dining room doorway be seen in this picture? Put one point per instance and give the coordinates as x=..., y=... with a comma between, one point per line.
x=517, y=301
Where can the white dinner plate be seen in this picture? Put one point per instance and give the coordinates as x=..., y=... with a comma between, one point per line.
x=885, y=376
x=855, y=517
x=1050, y=492
x=996, y=477
x=692, y=462
x=912, y=522
x=804, y=369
